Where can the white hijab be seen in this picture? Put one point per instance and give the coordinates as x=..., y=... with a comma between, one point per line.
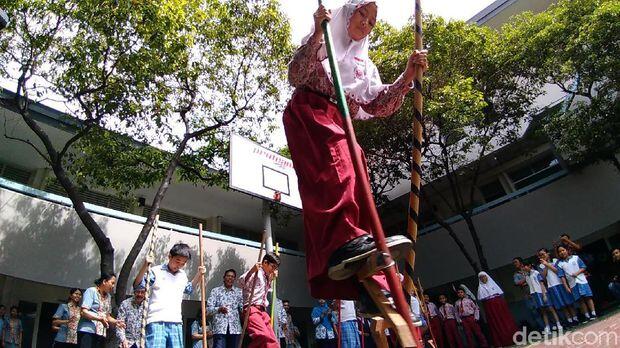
x=489, y=289
x=358, y=74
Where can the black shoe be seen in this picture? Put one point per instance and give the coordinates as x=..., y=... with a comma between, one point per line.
x=348, y=259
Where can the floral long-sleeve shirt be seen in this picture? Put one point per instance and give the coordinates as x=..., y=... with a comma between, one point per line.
x=306, y=70
x=231, y=299
x=131, y=313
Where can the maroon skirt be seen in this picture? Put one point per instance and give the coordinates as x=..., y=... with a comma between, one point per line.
x=501, y=323
x=328, y=188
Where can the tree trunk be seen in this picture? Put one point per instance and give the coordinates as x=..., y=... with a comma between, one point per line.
x=123, y=278
x=474, y=236
x=104, y=245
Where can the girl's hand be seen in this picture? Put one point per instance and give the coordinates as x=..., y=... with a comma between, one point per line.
x=417, y=60
x=321, y=14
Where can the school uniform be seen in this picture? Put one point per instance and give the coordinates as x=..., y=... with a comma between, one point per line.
x=435, y=324
x=533, y=280
x=448, y=316
x=579, y=285
x=469, y=314
x=259, y=323
x=501, y=324
x=556, y=293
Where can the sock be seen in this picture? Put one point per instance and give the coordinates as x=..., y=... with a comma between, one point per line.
x=593, y=313
x=570, y=320
x=587, y=315
x=575, y=319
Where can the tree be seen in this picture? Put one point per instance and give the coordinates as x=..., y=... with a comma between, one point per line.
x=575, y=45
x=474, y=103
x=179, y=75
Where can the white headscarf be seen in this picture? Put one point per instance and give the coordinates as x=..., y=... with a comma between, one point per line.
x=358, y=74
x=489, y=289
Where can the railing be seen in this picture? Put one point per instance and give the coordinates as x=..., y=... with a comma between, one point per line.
x=54, y=198
x=504, y=199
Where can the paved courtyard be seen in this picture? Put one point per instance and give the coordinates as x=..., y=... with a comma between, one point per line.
x=602, y=333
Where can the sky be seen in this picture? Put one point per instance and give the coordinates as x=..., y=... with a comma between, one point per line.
x=395, y=12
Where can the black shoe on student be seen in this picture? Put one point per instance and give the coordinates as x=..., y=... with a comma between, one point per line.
x=347, y=259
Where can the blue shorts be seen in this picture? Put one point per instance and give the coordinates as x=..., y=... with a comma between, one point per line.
x=538, y=301
x=164, y=335
x=581, y=290
x=559, y=297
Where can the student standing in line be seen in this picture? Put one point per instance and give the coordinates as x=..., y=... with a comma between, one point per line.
x=469, y=313
x=614, y=284
x=575, y=281
x=449, y=320
x=324, y=330
x=435, y=321
x=538, y=291
x=96, y=317
x=197, y=332
x=501, y=323
x=169, y=283
x=259, y=323
x=559, y=298
x=66, y=318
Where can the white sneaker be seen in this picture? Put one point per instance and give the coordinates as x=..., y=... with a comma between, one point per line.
x=560, y=328
x=546, y=331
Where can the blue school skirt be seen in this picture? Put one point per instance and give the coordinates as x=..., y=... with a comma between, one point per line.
x=538, y=301
x=559, y=297
x=581, y=290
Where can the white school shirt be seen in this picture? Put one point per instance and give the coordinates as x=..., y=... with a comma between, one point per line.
x=533, y=280
x=347, y=311
x=167, y=294
x=553, y=279
x=570, y=266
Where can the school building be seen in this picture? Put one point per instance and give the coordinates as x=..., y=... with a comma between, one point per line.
x=526, y=198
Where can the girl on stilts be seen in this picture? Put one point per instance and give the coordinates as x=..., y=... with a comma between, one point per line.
x=337, y=230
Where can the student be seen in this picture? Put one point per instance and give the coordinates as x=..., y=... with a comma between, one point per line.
x=575, y=281
x=291, y=332
x=435, y=321
x=13, y=331
x=501, y=323
x=96, y=314
x=259, y=324
x=66, y=319
x=337, y=225
x=448, y=316
x=169, y=282
x=538, y=291
x=469, y=314
x=559, y=298
x=349, y=332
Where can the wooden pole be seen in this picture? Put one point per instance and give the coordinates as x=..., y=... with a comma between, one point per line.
x=203, y=294
x=368, y=203
x=247, y=311
x=416, y=159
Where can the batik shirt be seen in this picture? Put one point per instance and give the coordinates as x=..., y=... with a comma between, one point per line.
x=132, y=314
x=447, y=311
x=12, y=330
x=305, y=70
x=466, y=307
x=282, y=319
x=67, y=333
x=231, y=299
x=324, y=324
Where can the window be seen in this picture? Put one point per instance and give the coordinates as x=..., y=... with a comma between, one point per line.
x=176, y=218
x=534, y=171
x=492, y=191
x=92, y=197
x=14, y=174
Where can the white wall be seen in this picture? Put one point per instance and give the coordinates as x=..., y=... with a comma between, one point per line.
x=579, y=204
x=46, y=242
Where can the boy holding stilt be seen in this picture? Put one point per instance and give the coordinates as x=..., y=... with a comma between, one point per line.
x=256, y=283
x=169, y=282
x=469, y=314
